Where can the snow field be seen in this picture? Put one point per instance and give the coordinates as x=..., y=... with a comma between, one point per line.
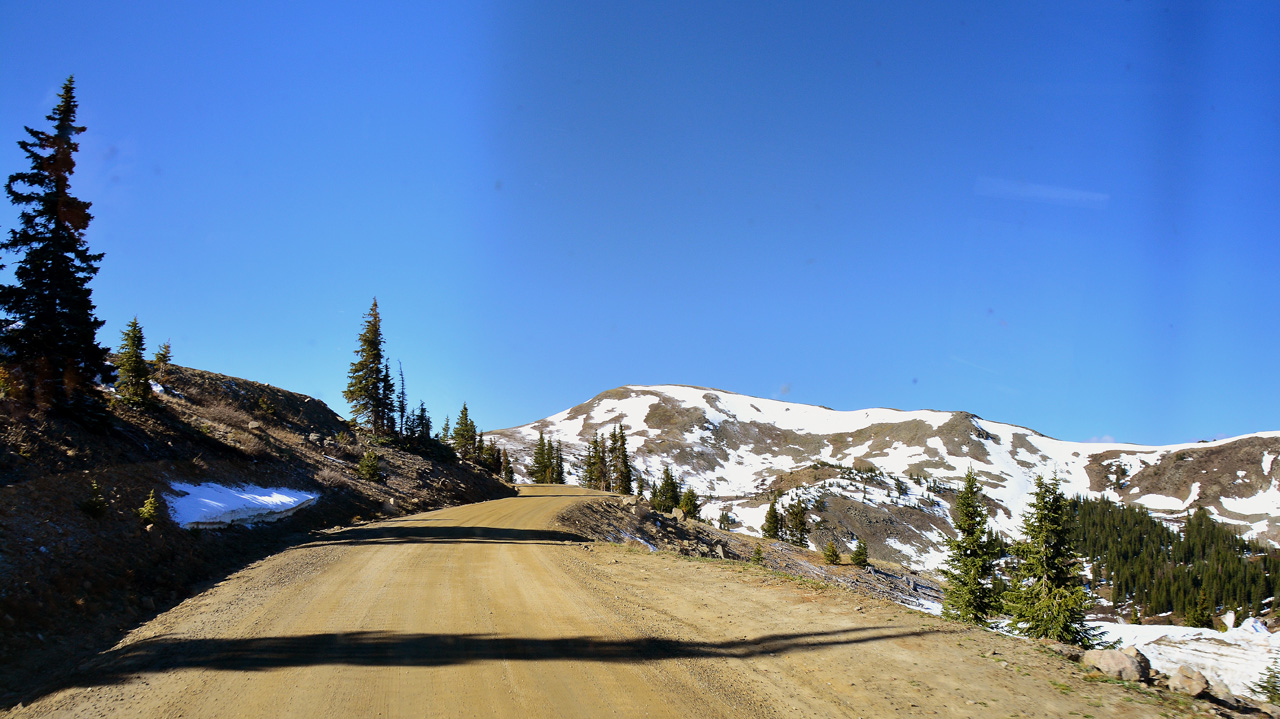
x=213, y=505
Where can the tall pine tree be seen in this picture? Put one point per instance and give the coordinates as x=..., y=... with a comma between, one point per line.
x=667, y=494
x=1047, y=599
x=971, y=563
x=134, y=382
x=369, y=377
x=49, y=331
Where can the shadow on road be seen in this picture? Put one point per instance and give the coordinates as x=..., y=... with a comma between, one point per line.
x=379, y=649
x=410, y=534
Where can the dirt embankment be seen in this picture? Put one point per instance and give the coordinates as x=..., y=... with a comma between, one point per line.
x=73, y=579
x=625, y=521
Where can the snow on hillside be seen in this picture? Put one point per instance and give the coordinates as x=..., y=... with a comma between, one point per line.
x=213, y=505
x=730, y=447
x=1236, y=657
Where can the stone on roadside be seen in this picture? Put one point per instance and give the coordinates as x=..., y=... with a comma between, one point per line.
x=1114, y=663
x=1188, y=681
x=1069, y=651
x=1141, y=658
x=678, y=514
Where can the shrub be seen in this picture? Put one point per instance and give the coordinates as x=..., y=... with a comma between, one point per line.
x=859, y=556
x=757, y=557
x=830, y=553
x=96, y=505
x=226, y=413
x=151, y=510
x=368, y=468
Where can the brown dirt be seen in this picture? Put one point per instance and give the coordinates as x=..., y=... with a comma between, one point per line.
x=72, y=584
x=487, y=610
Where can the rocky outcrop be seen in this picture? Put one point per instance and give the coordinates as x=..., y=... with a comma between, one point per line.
x=1116, y=664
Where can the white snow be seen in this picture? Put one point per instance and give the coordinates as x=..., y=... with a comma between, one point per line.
x=1235, y=658
x=1170, y=504
x=1267, y=459
x=1264, y=502
x=213, y=505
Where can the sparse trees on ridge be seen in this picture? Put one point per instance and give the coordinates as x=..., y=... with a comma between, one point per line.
x=666, y=496
x=772, y=526
x=369, y=377
x=48, y=332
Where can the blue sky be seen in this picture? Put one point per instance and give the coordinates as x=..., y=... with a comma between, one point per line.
x=1064, y=219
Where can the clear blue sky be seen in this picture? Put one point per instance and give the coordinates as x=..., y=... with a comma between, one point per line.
x=1062, y=219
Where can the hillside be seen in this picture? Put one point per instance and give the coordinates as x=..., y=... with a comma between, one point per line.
x=71, y=580
x=735, y=449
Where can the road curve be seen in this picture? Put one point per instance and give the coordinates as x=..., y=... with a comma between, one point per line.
x=485, y=610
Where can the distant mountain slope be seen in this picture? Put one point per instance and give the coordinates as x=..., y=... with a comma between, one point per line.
x=733, y=448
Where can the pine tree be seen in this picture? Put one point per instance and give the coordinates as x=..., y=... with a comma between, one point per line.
x=402, y=400
x=830, y=553
x=1200, y=614
x=796, y=523
x=667, y=494
x=558, y=464
x=49, y=330
x=772, y=527
x=1268, y=684
x=508, y=472
x=151, y=510
x=464, y=435
x=689, y=504
x=1047, y=599
x=619, y=463
x=859, y=556
x=368, y=469
x=971, y=563
x=757, y=556
x=134, y=382
x=725, y=521
x=163, y=358
x=388, y=401
x=368, y=378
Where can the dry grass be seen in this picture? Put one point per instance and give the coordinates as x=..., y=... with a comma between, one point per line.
x=227, y=414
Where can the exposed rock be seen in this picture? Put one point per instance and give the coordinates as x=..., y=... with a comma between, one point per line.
x=641, y=510
x=314, y=438
x=1141, y=659
x=1115, y=664
x=630, y=500
x=678, y=514
x=1070, y=651
x=254, y=424
x=720, y=551
x=1223, y=694
x=1188, y=681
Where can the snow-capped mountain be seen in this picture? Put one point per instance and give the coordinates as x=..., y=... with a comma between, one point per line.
x=733, y=449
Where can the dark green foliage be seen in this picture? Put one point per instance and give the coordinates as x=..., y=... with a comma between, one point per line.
x=620, y=470
x=725, y=521
x=464, y=435
x=368, y=469
x=96, y=505
x=369, y=379
x=133, y=383
x=970, y=596
x=859, y=556
x=689, y=504
x=164, y=356
x=1268, y=685
x=1198, y=614
x=548, y=462
x=1150, y=566
x=1047, y=599
x=508, y=471
x=757, y=555
x=402, y=403
x=48, y=328
x=796, y=523
x=594, y=468
x=830, y=553
x=666, y=496
x=151, y=510
x=772, y=527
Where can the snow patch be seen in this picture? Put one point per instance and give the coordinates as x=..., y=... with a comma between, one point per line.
x=1236, y=657
x=213, y=505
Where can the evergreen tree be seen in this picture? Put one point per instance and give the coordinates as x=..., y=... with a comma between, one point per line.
x=757, y=555
x=1199, y=615
x=772, y=527
x=725, y=521
x=558, y=475
x=620, y=470
x=464, y=435
x=402, y=401
x=541, y=462
x=388, y=400
x=508, y=471
x=1268, y=684
x=49, y=331
x=1047, y=599
x=367, y=468
x=134, y=382
x=859, y=556
x=971, y=563
x=830, y=553
x=689, y=504
x=163, y=358
x=796, y=523
x=368, y=377
x=445, y=432
x=667, y=494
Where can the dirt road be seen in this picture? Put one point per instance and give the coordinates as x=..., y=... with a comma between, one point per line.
x=486, y=610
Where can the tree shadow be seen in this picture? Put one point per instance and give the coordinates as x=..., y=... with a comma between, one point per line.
x=425, y=533
x=385, y=649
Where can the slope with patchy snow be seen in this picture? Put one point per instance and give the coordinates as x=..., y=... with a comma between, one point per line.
x=731, y=448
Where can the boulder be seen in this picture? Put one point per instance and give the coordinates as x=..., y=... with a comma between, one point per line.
x=254, y=424
x=1070, y=651
x=641, y=510
x=1223, y=694
x=1141, y=659
x=1188, y=681
x=678, y=514
x=630, y=500
x=1114, y=663
x=720, y=551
